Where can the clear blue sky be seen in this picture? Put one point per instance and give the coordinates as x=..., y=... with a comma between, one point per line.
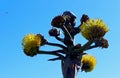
x=19, y=17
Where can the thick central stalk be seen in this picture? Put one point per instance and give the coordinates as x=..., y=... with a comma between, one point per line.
x=71, y=66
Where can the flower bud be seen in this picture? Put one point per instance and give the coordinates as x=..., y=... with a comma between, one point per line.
x=84, y=18
x=54, y=32
x=70, y=18
x=58, y=21
x=102, y=43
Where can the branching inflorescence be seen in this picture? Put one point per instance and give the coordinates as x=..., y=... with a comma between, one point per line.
x=73, y=57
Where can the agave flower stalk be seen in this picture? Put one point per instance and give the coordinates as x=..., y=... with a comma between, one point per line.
x=73, y=56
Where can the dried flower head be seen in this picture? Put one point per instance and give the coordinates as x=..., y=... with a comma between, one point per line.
x=58, y=21
x=93, y=29
x=89, y=63
x=31, y=43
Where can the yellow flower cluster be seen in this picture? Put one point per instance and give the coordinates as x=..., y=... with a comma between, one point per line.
x=31, y=43
x=89, y=63
x=93, y=29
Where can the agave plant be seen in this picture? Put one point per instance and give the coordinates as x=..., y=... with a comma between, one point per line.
x=73, y=57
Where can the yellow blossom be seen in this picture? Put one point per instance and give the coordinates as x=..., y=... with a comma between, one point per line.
x=31, y=43
x=93, y=29
x=89, y=63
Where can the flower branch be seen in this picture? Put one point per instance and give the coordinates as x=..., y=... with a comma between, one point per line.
x=55, y=44
x=60, y=39
x=51, y=53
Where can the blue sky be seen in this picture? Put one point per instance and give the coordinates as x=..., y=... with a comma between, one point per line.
x=20, y=17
